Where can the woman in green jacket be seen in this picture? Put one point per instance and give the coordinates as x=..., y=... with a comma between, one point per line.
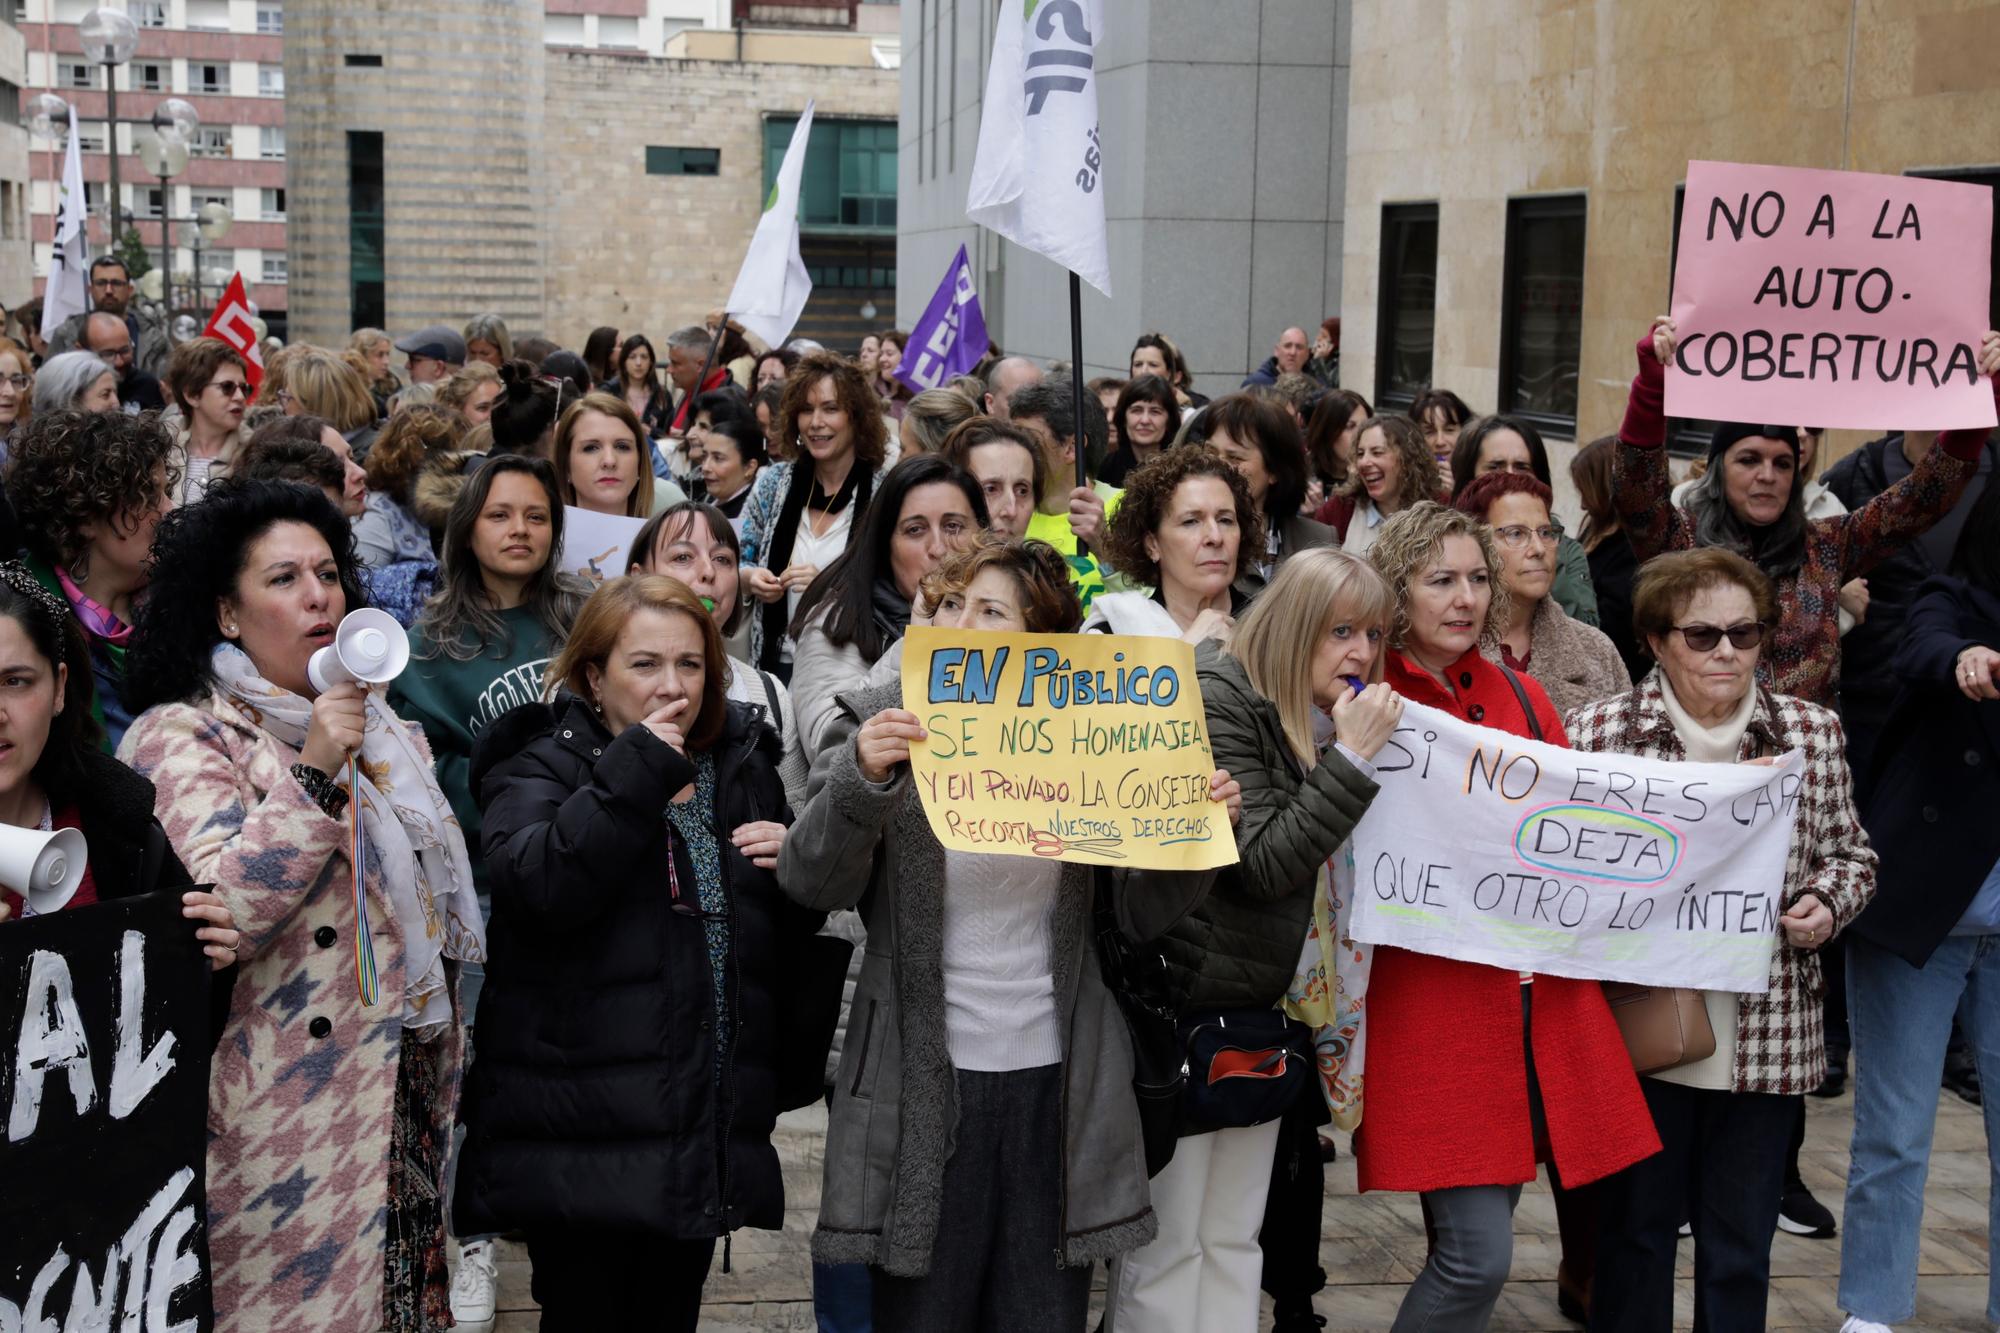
x=1305, y=650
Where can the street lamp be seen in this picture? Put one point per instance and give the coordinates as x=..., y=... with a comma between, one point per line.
x=209, y=226
x=109, y=37
x=164, y=153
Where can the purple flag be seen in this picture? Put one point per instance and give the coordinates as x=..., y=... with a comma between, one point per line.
x=951, y=337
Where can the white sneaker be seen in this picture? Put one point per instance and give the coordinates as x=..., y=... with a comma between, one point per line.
x=473, y=1287
x=1856, y=1324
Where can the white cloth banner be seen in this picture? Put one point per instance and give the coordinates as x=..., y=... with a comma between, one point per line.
x=68, y=289
x=772, y=286
x=1493, y=848
x=1038, y=178
x=596, y=546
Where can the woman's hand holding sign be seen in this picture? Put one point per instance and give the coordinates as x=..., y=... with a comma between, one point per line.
x=1364, y=722
x=1665, y=336
x=1807, y=922
x=1229, y=791
x=884, y=742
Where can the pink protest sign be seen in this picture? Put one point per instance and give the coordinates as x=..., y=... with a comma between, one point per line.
x=1830, y=298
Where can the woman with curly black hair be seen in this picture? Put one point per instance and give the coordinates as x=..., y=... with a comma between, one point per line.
x=325, y=1190
x=89, y=489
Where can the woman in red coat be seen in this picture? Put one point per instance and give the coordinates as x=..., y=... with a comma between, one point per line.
x=1477, y=1073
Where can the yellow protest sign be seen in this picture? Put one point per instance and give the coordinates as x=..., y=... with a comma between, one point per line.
x=1078, y=747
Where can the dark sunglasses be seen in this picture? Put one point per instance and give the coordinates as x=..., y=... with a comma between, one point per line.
x=1703, y=638
x=231, y=388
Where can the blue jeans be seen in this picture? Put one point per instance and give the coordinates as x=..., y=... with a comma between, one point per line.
x=1901, y=1019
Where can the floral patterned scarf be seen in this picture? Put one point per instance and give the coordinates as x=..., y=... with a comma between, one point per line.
x=413, y=839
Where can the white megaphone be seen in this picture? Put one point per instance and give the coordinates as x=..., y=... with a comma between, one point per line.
x=369, y=647
x=44, y=868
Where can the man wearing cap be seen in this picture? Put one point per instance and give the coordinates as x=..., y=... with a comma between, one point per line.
x=436, y=353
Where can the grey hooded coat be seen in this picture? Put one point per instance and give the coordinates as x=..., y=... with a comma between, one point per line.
x=895, y=1111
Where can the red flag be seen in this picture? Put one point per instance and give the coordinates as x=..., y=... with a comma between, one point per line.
x=231, y=323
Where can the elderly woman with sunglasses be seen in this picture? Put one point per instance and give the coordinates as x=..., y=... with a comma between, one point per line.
x=1707, y=616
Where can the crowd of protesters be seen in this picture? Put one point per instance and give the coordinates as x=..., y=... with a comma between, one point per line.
x=647, y=869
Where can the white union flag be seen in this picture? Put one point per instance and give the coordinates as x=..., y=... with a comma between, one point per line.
x=1039, y=176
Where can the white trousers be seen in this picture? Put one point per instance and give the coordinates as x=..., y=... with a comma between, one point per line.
x=1201, y=1273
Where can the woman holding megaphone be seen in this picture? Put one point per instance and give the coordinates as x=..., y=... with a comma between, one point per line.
x=54, y=777
x=281, y=778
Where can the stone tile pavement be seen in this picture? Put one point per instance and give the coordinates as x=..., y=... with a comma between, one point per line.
x=1372, y=1246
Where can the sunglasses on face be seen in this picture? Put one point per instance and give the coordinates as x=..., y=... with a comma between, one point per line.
x=1704, y=638
x=231, y=388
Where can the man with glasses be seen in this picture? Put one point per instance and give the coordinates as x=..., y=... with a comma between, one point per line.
x=105, y=334
x=436, y=353
x=111, y=294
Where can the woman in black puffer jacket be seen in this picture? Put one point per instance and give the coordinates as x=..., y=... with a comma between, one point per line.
x=621, y=1107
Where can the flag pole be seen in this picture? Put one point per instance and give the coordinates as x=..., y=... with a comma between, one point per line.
x=1076, y=374
x=714, y=349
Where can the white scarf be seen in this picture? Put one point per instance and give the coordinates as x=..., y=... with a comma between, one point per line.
x=414, y=843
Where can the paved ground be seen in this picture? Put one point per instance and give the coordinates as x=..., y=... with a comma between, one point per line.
x=1373, y=1246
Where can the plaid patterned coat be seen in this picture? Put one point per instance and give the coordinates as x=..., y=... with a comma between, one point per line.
x=1779, y=1044
x=302, y=1089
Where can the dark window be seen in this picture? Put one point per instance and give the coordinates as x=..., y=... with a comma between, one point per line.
x=682, y=161
x=1990, y=178
x=1406, y=303
x=1687, y=437
x=367, y=298
x=850, y=173
x=363, y=62
x=1541, y=311
x=10, y=103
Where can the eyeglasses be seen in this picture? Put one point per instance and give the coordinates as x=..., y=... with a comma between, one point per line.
x=1703, y=638
x=286, y=398
x=1514, y=536
x=110, y=283
x=20, y=382
x=231, y=388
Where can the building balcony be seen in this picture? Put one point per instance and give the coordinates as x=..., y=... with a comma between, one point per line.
x=213, y=108
x=166, y=43
x=796, y=13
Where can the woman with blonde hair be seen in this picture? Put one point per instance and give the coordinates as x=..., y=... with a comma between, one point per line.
x=929, y=417
x=322, y=383
x=1477, y=1073
x=471, y=392
x=373, y=347
x=1308, y=648
x=600, y=456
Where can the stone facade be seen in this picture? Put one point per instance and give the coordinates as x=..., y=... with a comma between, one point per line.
x=655, y=252
x=455, y=87
x=1473, y=104
x=515, y=172
x=1225, y=131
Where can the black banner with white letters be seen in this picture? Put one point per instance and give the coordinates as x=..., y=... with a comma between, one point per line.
x=104, y=1050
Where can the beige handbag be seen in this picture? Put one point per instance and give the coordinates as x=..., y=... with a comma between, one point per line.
x=1665, y=1027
